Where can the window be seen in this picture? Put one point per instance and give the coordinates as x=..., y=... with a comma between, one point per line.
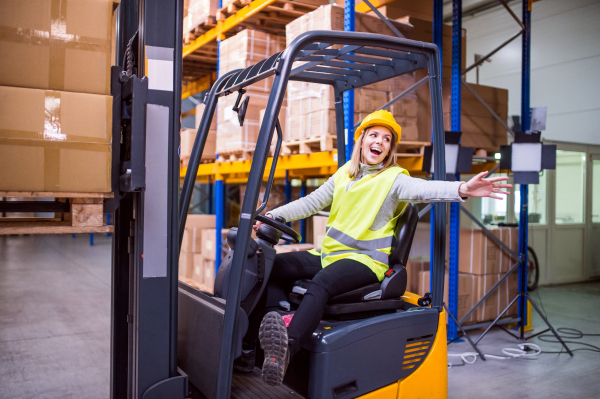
x=596, y=190
x=537, y=196
x=570, y=187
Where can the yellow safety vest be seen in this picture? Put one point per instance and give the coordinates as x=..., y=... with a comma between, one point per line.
x=353, y=213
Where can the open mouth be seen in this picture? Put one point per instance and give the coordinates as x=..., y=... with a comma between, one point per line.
x=375, y=151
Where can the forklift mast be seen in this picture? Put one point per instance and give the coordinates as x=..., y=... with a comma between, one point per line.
x=345, y=61
x=146, y=90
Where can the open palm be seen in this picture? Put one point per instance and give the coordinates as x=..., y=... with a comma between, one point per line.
x=479, y=186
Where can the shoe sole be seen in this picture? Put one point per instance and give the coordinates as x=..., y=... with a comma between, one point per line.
x=274, y=341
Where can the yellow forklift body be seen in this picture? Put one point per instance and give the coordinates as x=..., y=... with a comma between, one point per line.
x=430, y=380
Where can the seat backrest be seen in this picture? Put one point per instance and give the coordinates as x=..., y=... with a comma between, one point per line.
x=404, y=233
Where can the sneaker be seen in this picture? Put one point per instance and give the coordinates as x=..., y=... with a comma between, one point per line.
x=274, y=341
x=245, y=363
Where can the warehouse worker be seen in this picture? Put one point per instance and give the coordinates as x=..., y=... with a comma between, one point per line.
x=366, y=196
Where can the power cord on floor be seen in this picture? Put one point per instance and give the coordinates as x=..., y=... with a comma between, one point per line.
x=569, y=333
x=524, y=350
x=528, y=350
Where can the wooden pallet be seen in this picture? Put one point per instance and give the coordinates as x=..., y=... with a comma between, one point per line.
x=308, y=146
x=409, y=149
x=83, y=214
x=236, y=155
x=184, y=161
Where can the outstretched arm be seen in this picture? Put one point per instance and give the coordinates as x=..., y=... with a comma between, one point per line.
x=415, y=190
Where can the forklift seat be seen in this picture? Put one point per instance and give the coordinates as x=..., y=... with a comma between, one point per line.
x=376, y=297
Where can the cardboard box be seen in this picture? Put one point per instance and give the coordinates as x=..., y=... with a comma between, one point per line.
x=186, y=264
x=192, y=240
x=198, y=117
x=209, y=274
x=200, y=12
x=399, y=8
x=54, y=141
x=479, y=128
x=510, y=237
x=231, y=137
x=54, y=45
x=368, y=101
x=319, y=224
x=423, y=32
x=413, y=267
x=188, y=136
x=406, y=107
x=247, y=48
x=466, y=289
x=285, y=248
x=209, y=244
x=200, y=222
x=331, y=17
x=478, y=254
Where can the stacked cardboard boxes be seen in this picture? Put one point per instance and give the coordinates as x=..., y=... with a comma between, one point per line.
x=188, y=136
x=197, y=257
x=479, y=128
x=199, y=12
x=237, y=52
x=481, y=264
x=311, y=106
x=55, y=108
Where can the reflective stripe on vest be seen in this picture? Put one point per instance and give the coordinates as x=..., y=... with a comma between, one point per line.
x=377, y=243
x=375, y=255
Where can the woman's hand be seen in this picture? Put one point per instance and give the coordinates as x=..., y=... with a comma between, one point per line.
x=257, y=224
x=479, y=186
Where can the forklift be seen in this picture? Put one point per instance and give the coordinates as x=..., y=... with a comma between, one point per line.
x=377, y=341
x=170, y=340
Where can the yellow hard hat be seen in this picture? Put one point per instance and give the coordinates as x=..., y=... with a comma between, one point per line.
x=378, y=118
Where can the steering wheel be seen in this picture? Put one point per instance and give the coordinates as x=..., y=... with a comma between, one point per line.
x=289, y=234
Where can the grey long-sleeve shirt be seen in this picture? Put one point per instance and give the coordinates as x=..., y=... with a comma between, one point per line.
x=404, y=189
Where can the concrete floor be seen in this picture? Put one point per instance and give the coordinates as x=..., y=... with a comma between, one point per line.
x=55, y=338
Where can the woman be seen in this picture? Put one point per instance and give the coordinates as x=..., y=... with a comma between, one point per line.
x=366, y=196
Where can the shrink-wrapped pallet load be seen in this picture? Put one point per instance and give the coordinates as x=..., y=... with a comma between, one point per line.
x=238, y=52
x=312, y=106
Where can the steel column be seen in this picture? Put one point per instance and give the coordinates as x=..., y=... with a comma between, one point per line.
x=456, y=127
x=349, y=20
x=438, y=26
x=524, y=214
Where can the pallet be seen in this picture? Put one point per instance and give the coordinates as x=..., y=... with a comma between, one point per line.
x=410, y=149
x=236, y=155
x=184, y=161
x=308, y=146
x=73, y=213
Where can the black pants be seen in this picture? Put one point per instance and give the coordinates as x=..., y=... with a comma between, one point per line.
x=339, y=277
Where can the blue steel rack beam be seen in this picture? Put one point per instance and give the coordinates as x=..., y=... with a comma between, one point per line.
x=456, y=127
x=524, y=216
x=348, y=96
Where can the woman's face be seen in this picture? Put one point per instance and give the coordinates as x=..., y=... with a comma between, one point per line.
x=376, y=145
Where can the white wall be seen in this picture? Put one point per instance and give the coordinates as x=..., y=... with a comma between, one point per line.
x=565, y=63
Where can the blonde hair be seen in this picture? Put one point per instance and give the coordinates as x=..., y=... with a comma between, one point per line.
x=356, y=158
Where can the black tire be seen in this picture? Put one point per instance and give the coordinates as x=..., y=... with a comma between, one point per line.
x=533, y=271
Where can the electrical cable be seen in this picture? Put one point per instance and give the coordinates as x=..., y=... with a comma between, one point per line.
x=570, y=333
x=524, y=350
x=528, y=350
